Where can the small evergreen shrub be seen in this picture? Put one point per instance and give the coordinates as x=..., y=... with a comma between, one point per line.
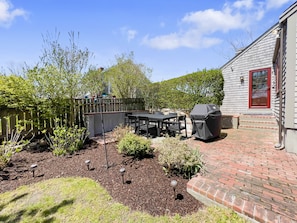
x=120, y=131
x=177, y=157
x=134, y=145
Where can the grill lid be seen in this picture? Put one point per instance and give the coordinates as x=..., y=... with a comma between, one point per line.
x=202, y=111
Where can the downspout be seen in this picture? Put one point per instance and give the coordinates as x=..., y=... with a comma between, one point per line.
x=280, y=144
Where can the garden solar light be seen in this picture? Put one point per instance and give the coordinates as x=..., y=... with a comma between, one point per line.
x=122, y=171
x=33, y=167
x=87, y=162
x=173, y=184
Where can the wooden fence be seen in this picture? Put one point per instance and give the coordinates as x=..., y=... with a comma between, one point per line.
x=10, y=118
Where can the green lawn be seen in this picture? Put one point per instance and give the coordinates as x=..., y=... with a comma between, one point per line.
x=84, y=200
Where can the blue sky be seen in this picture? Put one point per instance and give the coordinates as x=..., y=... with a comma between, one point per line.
x=172, y=37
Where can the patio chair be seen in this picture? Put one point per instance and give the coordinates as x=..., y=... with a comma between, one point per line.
x=145, y=127
x=127, y=119
x=133, y=122
x=176, y=127
x=173, y=113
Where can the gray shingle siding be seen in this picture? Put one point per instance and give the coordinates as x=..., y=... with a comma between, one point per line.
x=290, y=72
x=295, y=88
x=258, y=55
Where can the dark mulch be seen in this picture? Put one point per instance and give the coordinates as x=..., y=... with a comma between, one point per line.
x=145, y=187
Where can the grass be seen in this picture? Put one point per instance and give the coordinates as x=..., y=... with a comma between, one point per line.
x=84, y=200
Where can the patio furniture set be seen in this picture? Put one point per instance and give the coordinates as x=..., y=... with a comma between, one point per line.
x=205, y=118
x=157, y=124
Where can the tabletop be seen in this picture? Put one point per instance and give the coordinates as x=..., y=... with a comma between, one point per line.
x=154, y=117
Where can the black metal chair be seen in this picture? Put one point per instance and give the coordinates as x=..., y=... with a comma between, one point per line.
x=168, y=122
x=145, y=127
x=173, y=113
x=127, y=119
x=176, y=127
x=133, y=122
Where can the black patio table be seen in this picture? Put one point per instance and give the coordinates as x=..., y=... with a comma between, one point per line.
x=159, y=118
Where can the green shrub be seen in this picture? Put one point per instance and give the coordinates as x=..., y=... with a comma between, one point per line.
x=13, y=144
x=66, y=140
x=177, y=157
x=120, y=131
x=58, y=151
x=134, y=145
x=3, y=161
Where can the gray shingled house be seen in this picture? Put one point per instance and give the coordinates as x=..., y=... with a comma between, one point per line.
x=261, y=81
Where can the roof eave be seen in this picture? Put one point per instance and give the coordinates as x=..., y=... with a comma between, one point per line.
x=288, y=12
x=250, y=45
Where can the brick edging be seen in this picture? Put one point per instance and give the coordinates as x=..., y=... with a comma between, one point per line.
x=200, y=186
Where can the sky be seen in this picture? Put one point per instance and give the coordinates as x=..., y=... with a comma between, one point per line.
x=171, y=37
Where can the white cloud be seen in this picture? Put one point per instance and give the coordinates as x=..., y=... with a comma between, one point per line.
x=200, y=25
x=131, y=34
x=210, y=20
x=270, y=4
x=248, y=4
x=8, y=14
x=128, y=33
x=198, y=29
x=190, y=39
x=170, y=41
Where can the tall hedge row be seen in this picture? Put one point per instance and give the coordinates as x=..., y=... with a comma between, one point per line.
x=201, y=87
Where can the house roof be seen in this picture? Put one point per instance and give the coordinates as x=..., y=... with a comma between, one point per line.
x=282, y=19
x=288, y=12
x=251, y=45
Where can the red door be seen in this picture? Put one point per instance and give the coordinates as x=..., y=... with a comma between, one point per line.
x=259, y=93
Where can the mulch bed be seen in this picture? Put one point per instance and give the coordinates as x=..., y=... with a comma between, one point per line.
x=145, y=187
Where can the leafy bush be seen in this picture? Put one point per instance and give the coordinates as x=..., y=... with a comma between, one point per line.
x=16, y=92
x=3, y=162
x=178, y=158
x=15, y=143
x=66, y=140
x=134, y=145
x=120, y=131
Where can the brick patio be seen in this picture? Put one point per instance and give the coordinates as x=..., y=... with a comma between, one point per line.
x=246, y=173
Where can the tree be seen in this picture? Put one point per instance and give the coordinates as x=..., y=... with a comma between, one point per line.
x=152, y=96
x=128, y=79
x=93, y=81
x=70, y=62
x=59, y=74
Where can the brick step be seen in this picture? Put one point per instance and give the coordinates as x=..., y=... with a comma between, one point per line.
x=258, y=122
x=257, y=127
x=258, y=117
x=264, y=121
